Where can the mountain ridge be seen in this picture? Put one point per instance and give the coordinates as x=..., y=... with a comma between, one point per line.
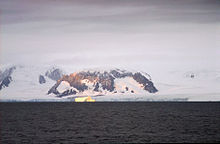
x=52, y=82
x=97, y=81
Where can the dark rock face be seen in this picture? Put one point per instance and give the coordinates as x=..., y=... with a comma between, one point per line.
x=42, y=79
x=150, y=88
x=67, y=92
x=148, y=85
x=107, y=81
x=5, y=77
x=54, y=89
x=7, y=73
x=192, y=76
x=101, y=80
x=96, y=87
x=6, y=81
x=54, y=74
x=120, y=74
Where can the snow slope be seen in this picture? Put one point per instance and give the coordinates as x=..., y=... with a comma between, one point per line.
x=204, y=86
x=25, y=85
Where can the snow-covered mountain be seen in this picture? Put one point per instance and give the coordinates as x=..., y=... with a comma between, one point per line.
x=47, y=83
x=27, y=82
x=110, y=82
x=30, y=83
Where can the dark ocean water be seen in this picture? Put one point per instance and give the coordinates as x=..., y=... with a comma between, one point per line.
x=109, y=122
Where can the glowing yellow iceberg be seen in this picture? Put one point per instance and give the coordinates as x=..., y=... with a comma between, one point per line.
x=84, y=99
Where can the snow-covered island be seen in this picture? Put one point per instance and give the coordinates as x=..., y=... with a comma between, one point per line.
x=38, y=83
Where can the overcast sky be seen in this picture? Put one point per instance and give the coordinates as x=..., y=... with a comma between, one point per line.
x=135, y=33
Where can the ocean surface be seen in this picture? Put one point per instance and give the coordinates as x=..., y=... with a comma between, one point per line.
x=109, y=122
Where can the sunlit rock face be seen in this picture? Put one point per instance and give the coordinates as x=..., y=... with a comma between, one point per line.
x=103, y=83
